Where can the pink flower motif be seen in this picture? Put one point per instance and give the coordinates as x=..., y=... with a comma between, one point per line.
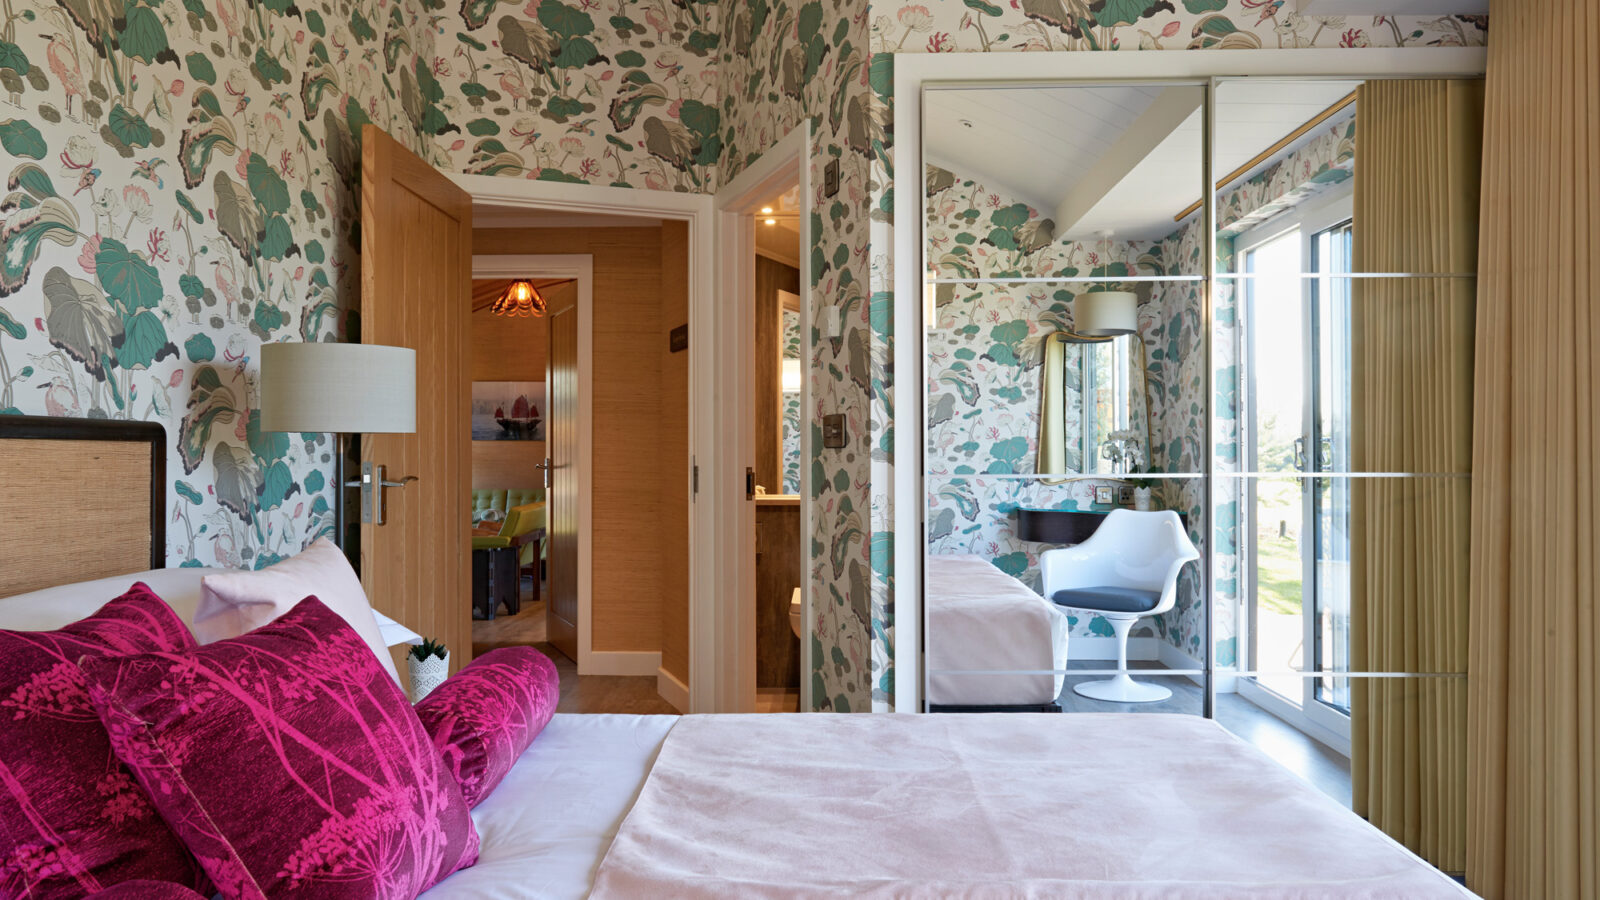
x=607, y=74
x=176, y=379
x=672, y=108
x=940, y=43
x=457, y=146
x=176, y=87
x=1171, y=29
x=86, y=257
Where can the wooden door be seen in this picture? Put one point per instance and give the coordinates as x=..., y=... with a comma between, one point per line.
x=416, y=286
x=561, y=442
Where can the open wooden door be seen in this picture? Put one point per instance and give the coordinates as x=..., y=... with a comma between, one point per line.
x=561, y=474
x=416, y=285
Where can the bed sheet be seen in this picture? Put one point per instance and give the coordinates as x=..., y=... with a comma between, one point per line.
x=546, y=827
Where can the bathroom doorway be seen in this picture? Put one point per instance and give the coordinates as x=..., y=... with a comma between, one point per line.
x=775, y=422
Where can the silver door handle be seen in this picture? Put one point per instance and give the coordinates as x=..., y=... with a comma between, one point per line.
x=372, y=485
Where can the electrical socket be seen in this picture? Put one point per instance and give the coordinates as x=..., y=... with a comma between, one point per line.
x=830, y=178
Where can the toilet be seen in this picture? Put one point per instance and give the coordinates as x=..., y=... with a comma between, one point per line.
x=795, y=612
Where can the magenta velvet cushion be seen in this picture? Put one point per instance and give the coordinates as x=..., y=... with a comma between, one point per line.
x=147, y=890
x=484, y=716
x=288, y=761
x=72, y=819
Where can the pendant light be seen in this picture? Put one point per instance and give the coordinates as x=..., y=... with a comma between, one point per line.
x=1105, y=313
x=521, y=300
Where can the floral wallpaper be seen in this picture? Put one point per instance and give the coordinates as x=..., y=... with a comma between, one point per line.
x=942, y=26
x=784, y=64
x=791, y=408
x=615, y=92
x=983, y=378
x=179, y=182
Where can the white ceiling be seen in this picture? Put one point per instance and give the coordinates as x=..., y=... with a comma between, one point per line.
x=1119, y=159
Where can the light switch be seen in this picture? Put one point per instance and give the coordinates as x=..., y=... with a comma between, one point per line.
x=833, y=436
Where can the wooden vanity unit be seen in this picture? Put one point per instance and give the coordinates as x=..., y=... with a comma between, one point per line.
x=777, y=575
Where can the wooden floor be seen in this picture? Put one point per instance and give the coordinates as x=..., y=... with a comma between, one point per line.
x=1322, y=766
x=635, y=695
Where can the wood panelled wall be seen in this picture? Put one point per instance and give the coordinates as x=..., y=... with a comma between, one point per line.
x=771, y=277
x=632, y=458
x=505, y=348
x=674, y=409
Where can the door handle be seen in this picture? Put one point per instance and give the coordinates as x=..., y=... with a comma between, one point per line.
x=749, y=483
x=372, y=485
x=1300, y=454
x=544, y=469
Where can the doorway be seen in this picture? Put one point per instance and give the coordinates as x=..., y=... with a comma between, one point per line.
x=1296, y=537
x=775, y=427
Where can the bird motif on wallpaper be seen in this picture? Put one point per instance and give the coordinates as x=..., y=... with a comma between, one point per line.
x=63, y=61
x=59, y=400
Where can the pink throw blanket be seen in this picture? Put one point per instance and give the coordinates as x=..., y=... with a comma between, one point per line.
x=1114, y=805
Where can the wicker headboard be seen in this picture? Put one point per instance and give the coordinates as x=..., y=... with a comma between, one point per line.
x=80, y=499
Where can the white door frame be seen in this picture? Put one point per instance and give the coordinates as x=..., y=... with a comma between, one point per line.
x=708, y=369
x=579, y=267
x=914, y=70
x=786, y=163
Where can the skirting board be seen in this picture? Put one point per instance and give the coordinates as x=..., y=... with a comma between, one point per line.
x=623, y=662
x=672, y=690
x=1146, y=648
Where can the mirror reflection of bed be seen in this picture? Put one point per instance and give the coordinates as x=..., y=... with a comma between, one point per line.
x=1068, y=364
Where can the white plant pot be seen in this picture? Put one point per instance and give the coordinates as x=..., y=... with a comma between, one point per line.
x=427, y=674
x=1142, y=500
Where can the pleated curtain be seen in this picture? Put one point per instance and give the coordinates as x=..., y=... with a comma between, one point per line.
x=1415, y=211
x=1534, y=703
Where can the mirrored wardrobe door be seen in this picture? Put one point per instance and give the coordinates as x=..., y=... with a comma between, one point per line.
x=1065, y=381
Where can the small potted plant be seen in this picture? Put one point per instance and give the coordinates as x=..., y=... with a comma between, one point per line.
x=429, y=663
x=1142, y=500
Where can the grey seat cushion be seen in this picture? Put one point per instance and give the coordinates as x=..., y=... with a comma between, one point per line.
x=1109, y=599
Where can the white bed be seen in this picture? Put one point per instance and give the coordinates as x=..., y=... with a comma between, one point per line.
x=888, y=805
x=980, y=618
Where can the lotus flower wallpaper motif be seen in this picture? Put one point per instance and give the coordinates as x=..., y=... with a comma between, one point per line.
x=179, y=189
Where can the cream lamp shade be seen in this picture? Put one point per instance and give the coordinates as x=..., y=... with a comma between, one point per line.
x=340, y=388
x=1105, y=313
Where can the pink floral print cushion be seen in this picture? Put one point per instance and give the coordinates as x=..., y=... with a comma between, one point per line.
x=288, y=761
x=72, y=819
x=484, y=716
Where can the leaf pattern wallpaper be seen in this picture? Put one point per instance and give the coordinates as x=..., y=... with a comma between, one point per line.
x=791, y=409
x=179, y=183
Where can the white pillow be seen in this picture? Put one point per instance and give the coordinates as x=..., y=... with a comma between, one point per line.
x=235, y=602
x=57, y=607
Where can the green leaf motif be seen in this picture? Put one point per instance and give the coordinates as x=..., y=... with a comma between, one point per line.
x=126, y=276
x=143, y=37
x=12, y=57
x=12, y=326
x=476, y=12
x=144, y=341
x=200, y=68
x=268, y=446
x=988, y=9
x=277, y=239
x=360, y=27
x=700, y=118
x=187, y=492
x=630, y=59
x=483, y=127
x=563, y=20
x=129, y=127
x=269, y=190
x=268, y=70
x=314, y=22
x=199, y=349
x=1204, y=6
x=575, y=54
x=20, y=138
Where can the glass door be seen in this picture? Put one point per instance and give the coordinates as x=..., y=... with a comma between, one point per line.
x=1297, y=362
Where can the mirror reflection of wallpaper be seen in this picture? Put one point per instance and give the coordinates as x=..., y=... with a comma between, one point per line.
x=791, y=408
x=983, y=378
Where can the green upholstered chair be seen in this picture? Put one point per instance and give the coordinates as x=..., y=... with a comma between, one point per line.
x=493, y=504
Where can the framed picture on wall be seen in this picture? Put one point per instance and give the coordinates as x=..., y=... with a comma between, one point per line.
x=508, y=410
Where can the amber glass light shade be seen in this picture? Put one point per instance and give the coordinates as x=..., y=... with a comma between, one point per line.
x=521, y=299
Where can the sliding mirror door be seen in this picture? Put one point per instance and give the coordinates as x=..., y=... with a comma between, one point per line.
x=1346, y=251
x=1065, y=380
